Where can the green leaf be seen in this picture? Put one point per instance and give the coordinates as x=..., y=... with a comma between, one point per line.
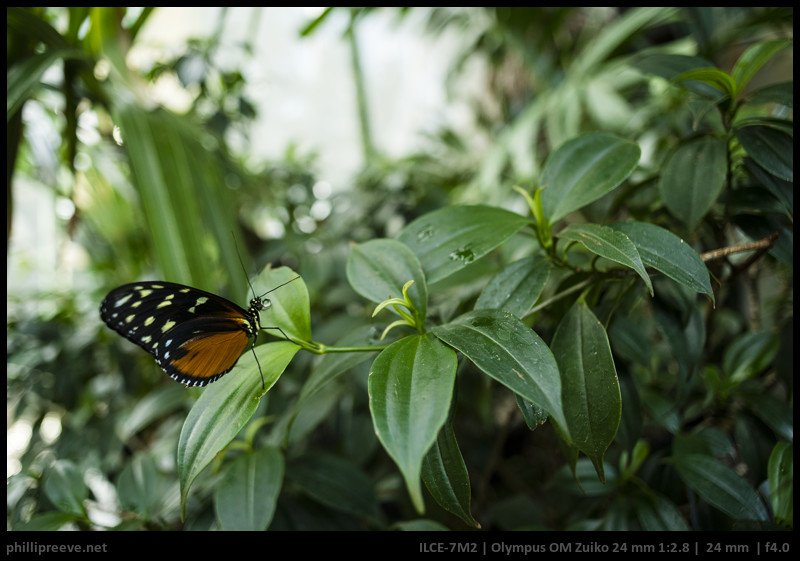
x=420, y=525
x=517, y=287
x=609, y=243
x=657, y=513
x=247, y=492
x=781, y=482
x=449, y=239
x=667, y=253
x=720, y=486
x=776, y=413
x=584, y=169
x=65, y=488
x=150, y=408
x=140, y=486
x=22, y=79
x=187, y=207
x=630, y=341
x=781, y=189
x=48, y=522
x=446, y=477
x=533, y=415
x=771, y=147
x=289, y=308
x=378, y=269
x=748, y=354
x=331, y=367
x=225, y=408
x=410, y=388
x=337, y=483
x=714, y=77
x=781, y=93
x=693, y=178
x=669, y=66
x=510, y=352
x=589, y=386
x=753, y=59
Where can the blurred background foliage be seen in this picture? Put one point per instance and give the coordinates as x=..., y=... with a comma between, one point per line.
x=135, y=191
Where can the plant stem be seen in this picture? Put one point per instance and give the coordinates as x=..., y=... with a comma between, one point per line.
x=361, y=92
x=321, y=349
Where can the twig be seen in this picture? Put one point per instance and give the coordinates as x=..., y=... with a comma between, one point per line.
x=763, y=244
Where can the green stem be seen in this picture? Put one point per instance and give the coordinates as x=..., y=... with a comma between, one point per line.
x=361, y=91
x=321, y=349
x=559, y=296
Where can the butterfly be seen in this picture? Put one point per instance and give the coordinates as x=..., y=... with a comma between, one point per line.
x=195, y=336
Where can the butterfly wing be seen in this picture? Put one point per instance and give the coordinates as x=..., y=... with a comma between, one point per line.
x=195, y=336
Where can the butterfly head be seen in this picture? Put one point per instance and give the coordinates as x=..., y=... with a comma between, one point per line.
x=259, y=304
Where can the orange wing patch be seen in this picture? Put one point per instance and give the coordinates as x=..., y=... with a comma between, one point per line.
x=210, y=356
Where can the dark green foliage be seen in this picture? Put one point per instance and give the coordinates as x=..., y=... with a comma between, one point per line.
x=586, y=326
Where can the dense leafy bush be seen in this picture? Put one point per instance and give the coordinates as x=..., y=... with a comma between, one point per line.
x=588, y=327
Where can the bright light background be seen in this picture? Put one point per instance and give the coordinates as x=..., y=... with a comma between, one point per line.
x=304, y=88
x=305, y=95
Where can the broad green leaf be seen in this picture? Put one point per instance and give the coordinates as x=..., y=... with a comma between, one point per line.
x=64, y=486
x=771, y=147
x=140, y=486
x=781, y=482
x=378, y=269
x=225, y=407
x=693, y=178
x=335, y=482
x=584, y=169
x=517, y=287
x=331, y=367
x=291, y=427
x=720, y=486
x=609, y=243
x=410, y=388
x=150, y=408
x=669, y=254
x=446, y=477
x=510, y=352
x=753, y=59
x=247, y=493
x=289, y=305
x=589, y=386
x=449, y=239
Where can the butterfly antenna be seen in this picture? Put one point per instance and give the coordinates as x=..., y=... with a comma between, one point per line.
x=280, y=285
x=253, y=346
x=239, y=255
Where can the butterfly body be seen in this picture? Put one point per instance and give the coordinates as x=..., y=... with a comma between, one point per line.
x=195, y=336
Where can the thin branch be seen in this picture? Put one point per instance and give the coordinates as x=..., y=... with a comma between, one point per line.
x=763, y=245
